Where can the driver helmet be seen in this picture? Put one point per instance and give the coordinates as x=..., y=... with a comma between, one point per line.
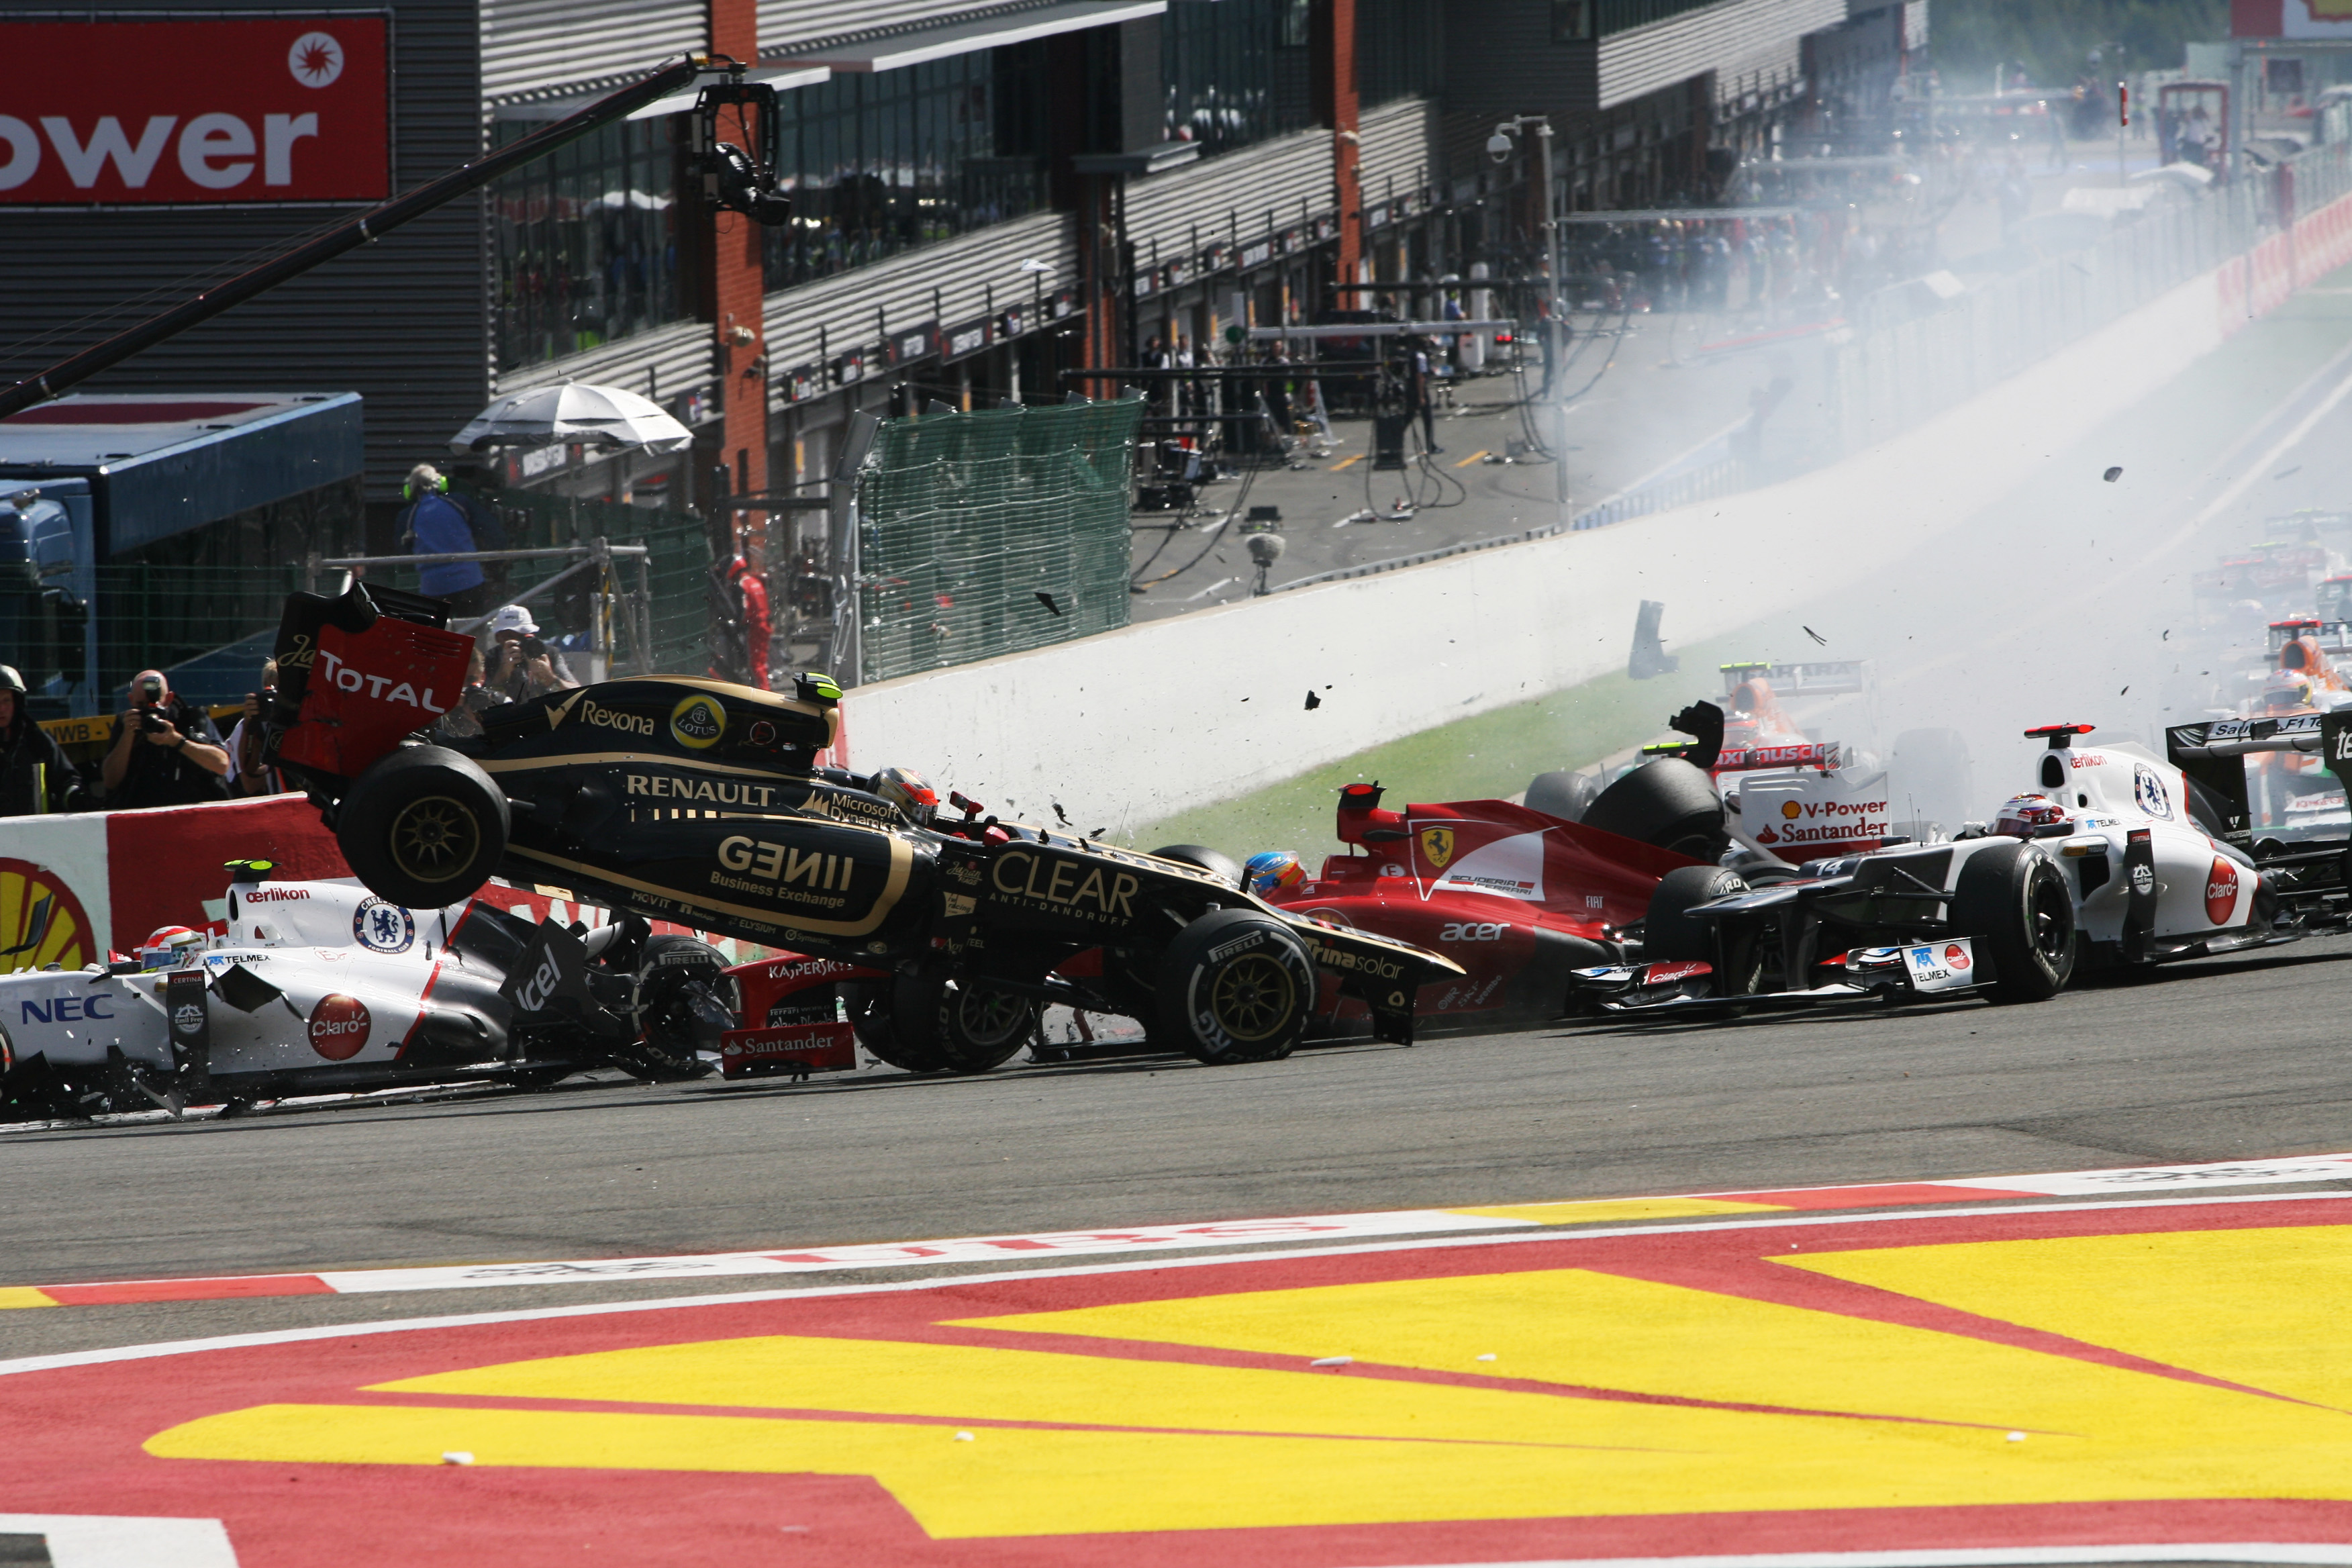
x=905, y=788
x=166, y=944
x=1272, y=872
x=2021, y=814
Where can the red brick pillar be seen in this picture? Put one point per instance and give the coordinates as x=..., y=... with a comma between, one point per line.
x=1333, y=41
x=739, y=291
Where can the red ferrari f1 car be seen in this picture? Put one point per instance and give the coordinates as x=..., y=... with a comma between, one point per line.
x=1519, y=899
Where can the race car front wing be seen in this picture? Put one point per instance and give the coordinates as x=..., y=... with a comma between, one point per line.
x=1944, y=970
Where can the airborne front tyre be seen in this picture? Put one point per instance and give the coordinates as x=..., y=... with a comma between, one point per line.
x=680, y=1009
x=423, y=826
x=1236, y=986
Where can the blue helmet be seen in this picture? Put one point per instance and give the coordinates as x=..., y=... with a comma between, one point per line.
x=1273, y=871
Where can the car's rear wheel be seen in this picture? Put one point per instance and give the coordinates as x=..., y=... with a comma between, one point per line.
x=1565, y=795
x=874, y=1014
x=1218, y=864
x=977, y=1025
x=1236, y=986
x=423, y=826
x=681, y=1006
x=2011, y=899
x=1667, y=802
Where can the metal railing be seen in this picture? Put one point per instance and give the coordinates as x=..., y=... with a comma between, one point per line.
x=596, y=561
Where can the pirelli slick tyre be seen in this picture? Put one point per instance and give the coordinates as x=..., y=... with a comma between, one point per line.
x=682, y=981
x=1223, y=866
x=423, y=827
x=976, y=1027
x=1236, y=986
x=1669, y=935
x=1565, y=795
x=1667, y=802
x=2014, y=902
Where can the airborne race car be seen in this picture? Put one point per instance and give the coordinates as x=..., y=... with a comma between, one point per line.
x=320, y=987
x=702, y=802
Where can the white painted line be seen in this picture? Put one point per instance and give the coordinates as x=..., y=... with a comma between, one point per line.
x=2163, y=1178
x=1209, y=590
x=753, y=1298
x=105, y=1540
x=1985, y=1557
x=919, y=1254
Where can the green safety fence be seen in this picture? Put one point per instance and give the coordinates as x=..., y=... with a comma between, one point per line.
x=153, y=617
x=970, y=524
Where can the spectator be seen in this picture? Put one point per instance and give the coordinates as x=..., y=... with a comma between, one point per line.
x=34, y=773
x=248, y=775
x=464, y=719
x=165, y=752
x=522, y=667
x=750, y=591
x=435, y=524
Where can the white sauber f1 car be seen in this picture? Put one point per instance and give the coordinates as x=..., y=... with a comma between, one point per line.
x=320, y=987
x=2115, y=858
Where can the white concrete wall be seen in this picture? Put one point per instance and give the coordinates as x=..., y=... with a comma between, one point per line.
x=1134, y=725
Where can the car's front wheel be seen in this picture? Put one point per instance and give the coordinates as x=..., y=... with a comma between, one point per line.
x=423, y=827
x=681, y=1008
x=1236, y=986
x=2011, y=899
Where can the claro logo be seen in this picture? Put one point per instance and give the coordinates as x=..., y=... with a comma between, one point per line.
x=2221, y=892
x=339, y=1026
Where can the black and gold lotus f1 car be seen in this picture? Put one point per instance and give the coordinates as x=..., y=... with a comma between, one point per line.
x=697, y=802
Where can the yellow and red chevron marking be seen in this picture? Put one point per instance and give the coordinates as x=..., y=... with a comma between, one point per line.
x=2145, y=1376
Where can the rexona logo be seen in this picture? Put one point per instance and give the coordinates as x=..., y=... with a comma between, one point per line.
x=594, y=712
x=698, y=722
x=339, y=1026
x=2221, y=892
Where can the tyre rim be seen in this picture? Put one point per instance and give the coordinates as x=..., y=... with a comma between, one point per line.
x=2045, y=917
x=434, y=838
x=1253, y=998
x=990, y=1017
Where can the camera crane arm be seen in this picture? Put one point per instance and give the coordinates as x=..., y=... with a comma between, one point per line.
x=732, y=179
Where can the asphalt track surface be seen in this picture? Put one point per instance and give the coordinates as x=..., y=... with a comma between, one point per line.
x=2221, y=1060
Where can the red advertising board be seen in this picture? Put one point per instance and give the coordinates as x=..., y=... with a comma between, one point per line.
x=286, y=108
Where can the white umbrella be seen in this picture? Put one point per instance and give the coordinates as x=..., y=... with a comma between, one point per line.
x=600, y=415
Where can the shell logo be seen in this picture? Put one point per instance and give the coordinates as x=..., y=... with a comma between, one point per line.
x=339, y=1026
x=41, y=922
x=1790, y=810
x=2221, y=892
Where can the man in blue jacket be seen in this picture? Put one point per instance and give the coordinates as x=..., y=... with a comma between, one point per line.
x=435, y=524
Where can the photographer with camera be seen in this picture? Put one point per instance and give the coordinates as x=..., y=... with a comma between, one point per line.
x=521, y=665
x=247, y=773
x=165, y=751
x=35, y=777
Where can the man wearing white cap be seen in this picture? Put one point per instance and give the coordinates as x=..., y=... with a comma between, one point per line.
x=523, y=666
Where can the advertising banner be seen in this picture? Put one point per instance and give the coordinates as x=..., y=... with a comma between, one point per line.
x=181, y=111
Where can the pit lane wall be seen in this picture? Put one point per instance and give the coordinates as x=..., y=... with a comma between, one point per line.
x=74, y=888
x=1124, y=729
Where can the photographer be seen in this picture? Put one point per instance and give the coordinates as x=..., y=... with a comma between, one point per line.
x=34, y=773
x=165, y=751
x=521, y=665
x=247, y=773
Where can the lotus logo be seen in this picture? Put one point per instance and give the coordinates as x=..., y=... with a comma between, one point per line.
x=1437, y=844
x=2221, y=892
x=698, y=722
x=339, y=1026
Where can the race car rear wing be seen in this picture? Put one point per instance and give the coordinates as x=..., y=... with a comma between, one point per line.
x=2213, y=754
x=357, y=673
x=1821, y=678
